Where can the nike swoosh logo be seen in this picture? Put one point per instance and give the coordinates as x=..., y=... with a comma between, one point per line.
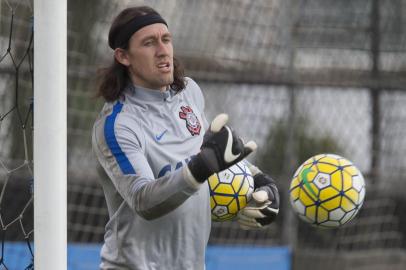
x=228, y=155
x=159, y=136
x=306, y=182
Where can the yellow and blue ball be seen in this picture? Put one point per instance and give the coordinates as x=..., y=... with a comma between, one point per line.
x=230, y=191
x=327, y=190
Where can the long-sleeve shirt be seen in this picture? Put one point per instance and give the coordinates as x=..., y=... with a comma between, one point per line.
x=159, y=216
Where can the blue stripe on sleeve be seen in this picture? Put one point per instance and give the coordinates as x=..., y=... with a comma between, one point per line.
x=112, y=143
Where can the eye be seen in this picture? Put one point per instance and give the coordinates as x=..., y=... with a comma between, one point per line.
x=148, y=43
x=166, y=39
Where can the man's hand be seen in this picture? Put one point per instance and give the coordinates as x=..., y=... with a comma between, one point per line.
x=264, y=205
x=221, y=148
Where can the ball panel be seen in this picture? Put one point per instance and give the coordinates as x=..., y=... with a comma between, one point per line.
x=358, y=182
x=294, y=193
x=347, y=181
x=337, y=214
x=311, y=212
x=348, y=216
x=330, y=224
x=308, y=164
x=237, y=182
x=212, y=202
x=222, y=200
x=336, y=180
x=224, y=188
x=345, y=162
x=299, y=207
x=245, y=188
x=328, y=193
x=318, y=157
x=242, y=200
x=312, y=191
x=326, y=168
x=305, y=198
x=329, y=159
x=322, y=180
x=351, y=170
x=213, y=181
x=332, y=203
x=322, y=215
x=361, y=196
x=220, y=210
x=233, y=207
x=346, y=204
x=295, y=183
x=353, y=195
x=310, y=175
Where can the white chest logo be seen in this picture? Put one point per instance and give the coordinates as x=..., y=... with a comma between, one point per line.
x=192, y=122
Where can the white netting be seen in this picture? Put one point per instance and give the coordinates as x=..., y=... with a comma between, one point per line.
x=16, y=106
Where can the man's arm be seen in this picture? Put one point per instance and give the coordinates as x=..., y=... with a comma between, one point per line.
x=119, y=151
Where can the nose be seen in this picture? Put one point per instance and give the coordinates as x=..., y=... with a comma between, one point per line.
x=163, y=49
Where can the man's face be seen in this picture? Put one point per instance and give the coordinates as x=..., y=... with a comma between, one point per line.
x=149, y=57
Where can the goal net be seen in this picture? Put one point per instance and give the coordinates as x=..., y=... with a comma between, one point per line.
x=16, y=107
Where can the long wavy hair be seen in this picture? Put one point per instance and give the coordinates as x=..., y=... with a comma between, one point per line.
x=114, y=78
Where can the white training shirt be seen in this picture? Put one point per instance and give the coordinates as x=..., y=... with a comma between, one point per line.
x=159, y=218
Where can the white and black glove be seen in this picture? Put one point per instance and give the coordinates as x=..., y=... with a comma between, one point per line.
x=221, y=149
x=264, y=205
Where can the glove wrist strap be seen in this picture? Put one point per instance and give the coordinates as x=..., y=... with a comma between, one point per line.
x=198, y=168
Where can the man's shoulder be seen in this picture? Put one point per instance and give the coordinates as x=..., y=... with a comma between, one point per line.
x=192, y=88
x=120, y=114
x=190, y=83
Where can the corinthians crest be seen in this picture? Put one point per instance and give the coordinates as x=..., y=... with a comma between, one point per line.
x=192, y=122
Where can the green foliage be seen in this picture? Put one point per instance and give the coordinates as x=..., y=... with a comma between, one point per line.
x=305, y=143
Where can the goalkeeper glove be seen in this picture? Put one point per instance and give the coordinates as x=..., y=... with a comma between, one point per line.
x=221, y=148
x=264, y=205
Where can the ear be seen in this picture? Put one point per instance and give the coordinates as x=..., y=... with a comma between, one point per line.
x=121, y=56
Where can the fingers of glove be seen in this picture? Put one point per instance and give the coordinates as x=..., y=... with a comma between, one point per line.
x=266, y=220
x=267, y=191
x=219, y=122
x=260, y=196
x=254, y=169
x=252, y=226
x=230, y=156
x=238, y=144
x=269, y=211
x=249, y=147
x=248, y=222
x=241, y=148
x=254, y=211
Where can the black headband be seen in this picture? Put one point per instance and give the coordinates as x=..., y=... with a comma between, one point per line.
x=125, y=33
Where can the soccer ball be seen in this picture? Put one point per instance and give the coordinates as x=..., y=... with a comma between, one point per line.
x=327, y=191
x=230, y=191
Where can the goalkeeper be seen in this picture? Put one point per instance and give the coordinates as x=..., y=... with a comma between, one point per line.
x=154, y=143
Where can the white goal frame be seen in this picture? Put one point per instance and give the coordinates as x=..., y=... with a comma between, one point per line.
x=50, y=134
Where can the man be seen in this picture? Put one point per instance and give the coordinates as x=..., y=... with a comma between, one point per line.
x=150, y=139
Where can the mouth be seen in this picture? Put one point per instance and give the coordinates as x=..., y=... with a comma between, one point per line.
x=164, y=66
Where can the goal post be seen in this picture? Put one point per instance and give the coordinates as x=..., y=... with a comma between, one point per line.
x=50, y=141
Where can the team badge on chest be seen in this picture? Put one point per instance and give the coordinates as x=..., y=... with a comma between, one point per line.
x=192, y=122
